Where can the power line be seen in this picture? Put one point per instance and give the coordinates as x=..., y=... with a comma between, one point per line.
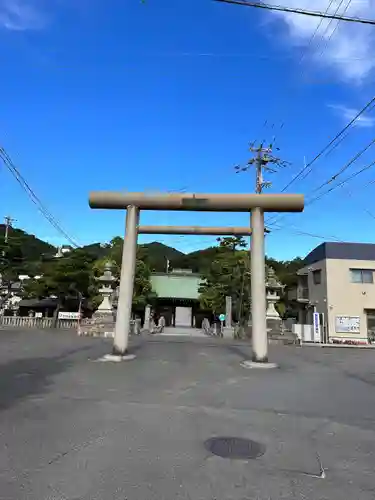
x=201, y=241
x=325, y=31
x=336, y=186
x=345, y=167
x=355, y=174
x=304, y=53
x=337, y=24
x=366, y=210
x=331, y=20
x=305, y=233
x=307, y=168
x=315, y=32
x=340, y=141
x=334, y=177
x=252, y=55
x=322, y=16
x=345, y=181
x=311, y=13
x=336, y=145
x=33, y=197
x=299, y=232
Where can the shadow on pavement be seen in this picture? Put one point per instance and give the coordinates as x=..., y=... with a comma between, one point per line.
x=22, y=378
x=242, y=352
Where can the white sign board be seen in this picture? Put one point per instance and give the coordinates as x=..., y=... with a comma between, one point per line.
x=317, y=336
x=39, y=315
x=69, y=315
x=347, y=324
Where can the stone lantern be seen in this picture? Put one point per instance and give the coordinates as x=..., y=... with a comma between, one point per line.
x=102, y=322
x=106, y=281
x=274, y=288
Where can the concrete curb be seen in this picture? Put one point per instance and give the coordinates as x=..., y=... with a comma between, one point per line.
x=339, y=346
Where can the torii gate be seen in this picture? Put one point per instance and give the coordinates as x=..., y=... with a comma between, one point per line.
x=256, y=204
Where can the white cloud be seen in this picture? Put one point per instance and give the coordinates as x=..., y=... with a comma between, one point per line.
x=348, y=48
x=347, y=114
x=21, y=15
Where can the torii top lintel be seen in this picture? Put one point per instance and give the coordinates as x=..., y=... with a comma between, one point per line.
x=198, y=202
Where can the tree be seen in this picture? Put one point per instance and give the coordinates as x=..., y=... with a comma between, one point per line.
x=233, y=242
x=12, y=260
x=286, y=271
x=143, y=293
x=228, y=275
x=67, y=278
x=22, y=254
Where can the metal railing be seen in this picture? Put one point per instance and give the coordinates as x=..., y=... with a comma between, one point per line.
x=37, y=323
x=298, y=293
x=302, y=293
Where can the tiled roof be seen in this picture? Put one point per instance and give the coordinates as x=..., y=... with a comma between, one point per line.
x=177, y=286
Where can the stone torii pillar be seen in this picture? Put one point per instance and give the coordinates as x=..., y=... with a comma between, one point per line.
x=125, y=294
x=257, y=204
x=258, y=288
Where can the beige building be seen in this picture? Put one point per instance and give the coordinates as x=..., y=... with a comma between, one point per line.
x=337, y=282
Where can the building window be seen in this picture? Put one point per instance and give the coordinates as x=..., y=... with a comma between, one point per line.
x=362, y=275
x=317, y=276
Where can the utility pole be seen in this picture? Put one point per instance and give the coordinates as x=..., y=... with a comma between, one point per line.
x=8, y=223
x=260, y=162
x=263, y=159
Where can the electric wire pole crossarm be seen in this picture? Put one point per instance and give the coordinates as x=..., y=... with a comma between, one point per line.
x=262, y=160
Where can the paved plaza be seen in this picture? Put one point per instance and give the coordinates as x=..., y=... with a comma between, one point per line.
x=74, y=428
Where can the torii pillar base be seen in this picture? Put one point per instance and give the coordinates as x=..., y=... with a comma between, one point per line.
x=117, y=358
x=258, y=365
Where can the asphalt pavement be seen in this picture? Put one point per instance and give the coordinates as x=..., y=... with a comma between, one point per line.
x=75, y=428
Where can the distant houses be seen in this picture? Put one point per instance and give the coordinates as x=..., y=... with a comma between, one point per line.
x=62, y=251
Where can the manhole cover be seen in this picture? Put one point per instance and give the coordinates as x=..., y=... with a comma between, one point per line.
x=235, y=448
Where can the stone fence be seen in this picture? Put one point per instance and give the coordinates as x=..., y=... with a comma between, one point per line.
x=37, y=323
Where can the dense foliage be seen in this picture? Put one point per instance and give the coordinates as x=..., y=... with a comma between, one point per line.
x=67, y=278
x=224, y=268
x=228, y=274
x=23, y=254
x=143, y=293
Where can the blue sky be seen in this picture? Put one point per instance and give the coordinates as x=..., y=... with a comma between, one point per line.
x=166, y=95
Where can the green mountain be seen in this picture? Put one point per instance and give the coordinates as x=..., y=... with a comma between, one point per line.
x=198, y=261
x=156, y=253
x=96, y=249
x=25, y=253
x=32, y=247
